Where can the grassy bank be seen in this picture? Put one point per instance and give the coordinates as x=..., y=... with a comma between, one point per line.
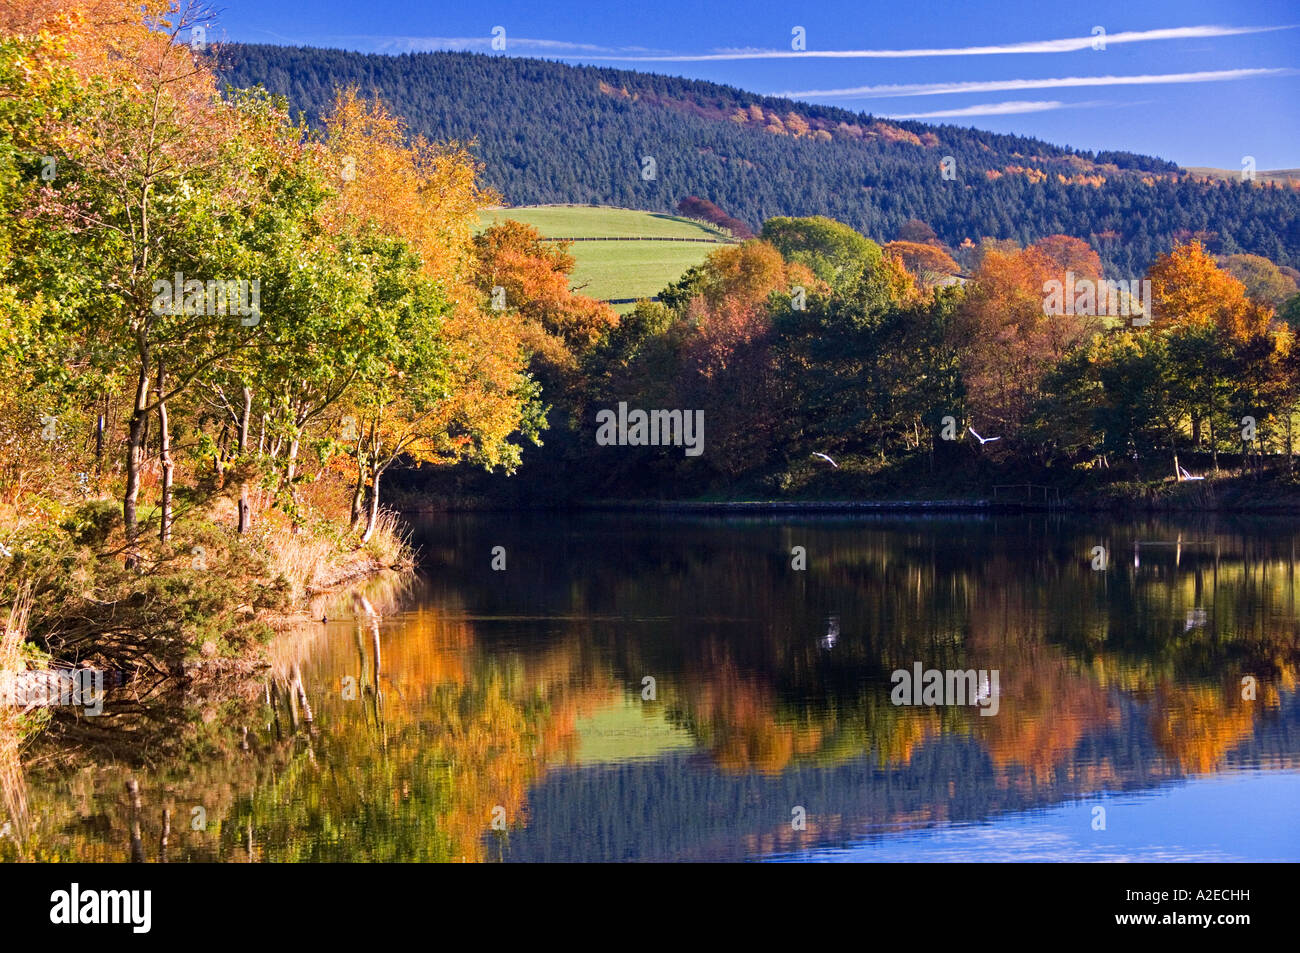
x=76, y=594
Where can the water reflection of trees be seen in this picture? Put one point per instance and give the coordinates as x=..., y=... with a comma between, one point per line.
x=470, y=701
x=684, y=813
x=758, y=689
x=407, y=762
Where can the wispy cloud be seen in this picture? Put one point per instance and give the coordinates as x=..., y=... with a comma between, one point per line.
x=1005, y=85
x=568, y=49
x=989, y=109
x=1064, y=45
x=420, y=44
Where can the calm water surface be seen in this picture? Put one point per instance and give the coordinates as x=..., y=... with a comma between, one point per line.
x=645, y=688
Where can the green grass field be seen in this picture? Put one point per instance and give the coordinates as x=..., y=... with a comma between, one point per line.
x=608, y=270
x=596, y=221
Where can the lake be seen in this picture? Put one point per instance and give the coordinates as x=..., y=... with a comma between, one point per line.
x=629, y=687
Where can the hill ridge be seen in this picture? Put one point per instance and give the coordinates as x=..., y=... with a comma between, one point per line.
x=552, y=133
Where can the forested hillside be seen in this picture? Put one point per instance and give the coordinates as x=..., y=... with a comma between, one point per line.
x=547, y=132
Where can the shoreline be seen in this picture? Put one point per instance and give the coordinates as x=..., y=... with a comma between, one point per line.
x=807, y=506
x=981, y=506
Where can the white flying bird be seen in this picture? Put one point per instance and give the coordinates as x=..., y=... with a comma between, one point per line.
x=827, y=459
x=982, y=440
x=1188, y=476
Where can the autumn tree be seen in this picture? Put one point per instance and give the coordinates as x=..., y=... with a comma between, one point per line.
x=1264, y=282
x=832, y=250
x=1010, y=341
x=847, y=357
x=705, y=211
x=1189, y=290
x=426, y=193
x=1113, y=397
x=1071, y=255
x=916, y=232
x=443, y=377
x=743, y=275
x=930, y=264
x=534, y=276
x=144, y=186
x=450, y=384
x=723, y=309
x=1222, y=343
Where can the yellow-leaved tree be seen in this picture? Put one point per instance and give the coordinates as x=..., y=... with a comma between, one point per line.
x=452, y=383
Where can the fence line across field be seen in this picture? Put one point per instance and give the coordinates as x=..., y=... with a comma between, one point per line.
x=644, y=238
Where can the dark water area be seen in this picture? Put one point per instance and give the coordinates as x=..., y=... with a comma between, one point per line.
x=634, y=687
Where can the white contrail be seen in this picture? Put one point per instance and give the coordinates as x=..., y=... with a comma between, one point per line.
x=1064, y=45
x=1003, y=85
x=421, y=44
x=989, y=109
x=568, y=49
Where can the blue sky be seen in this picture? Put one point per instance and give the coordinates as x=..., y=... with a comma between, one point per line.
x=1201, y=83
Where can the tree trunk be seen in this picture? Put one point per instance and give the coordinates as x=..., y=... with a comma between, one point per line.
x=291, y=471
x=374, y=507
x=165, y=455
x=135, y=457
x=244, y=417
x=137, y=844
x=166, y=834
x=1288, y=443
x=358, y=494
x=219, y=457
x=291, y=463
x=245, y=514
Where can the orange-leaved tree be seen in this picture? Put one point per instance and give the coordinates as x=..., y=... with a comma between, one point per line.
x=1071, y=254
x=1189, y=291
x=427, y=194
x=1011, y=340
x=930, y=264
x=523, y=272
